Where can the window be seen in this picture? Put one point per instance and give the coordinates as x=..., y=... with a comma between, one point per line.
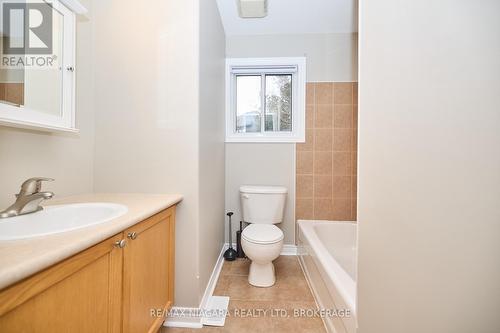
x=265, y=100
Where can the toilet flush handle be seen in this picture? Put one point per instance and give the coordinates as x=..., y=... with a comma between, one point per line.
x=245, y=196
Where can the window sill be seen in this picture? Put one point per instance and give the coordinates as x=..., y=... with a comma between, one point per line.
x=265, y=139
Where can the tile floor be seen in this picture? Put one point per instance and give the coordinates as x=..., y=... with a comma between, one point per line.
x=290, y=293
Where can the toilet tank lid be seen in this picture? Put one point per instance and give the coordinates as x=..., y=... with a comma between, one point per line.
x=263, y=189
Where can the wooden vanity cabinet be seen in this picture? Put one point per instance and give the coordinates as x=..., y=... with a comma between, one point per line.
x=110, y=287
x=148, y=266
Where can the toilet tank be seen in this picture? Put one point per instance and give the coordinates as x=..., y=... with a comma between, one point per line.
x=263, y=204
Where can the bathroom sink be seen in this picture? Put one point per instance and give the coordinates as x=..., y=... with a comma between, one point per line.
x=58, y=219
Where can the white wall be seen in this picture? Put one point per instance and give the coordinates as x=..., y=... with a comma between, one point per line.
x=429, y=166
x=261, y=164
x=147, y=117
x=211, y=139
x=159, y=120
x=330, y=57
x=157, y=73
x=67, y=158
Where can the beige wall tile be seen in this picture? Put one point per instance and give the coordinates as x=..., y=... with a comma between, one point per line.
x=342, y=139
x=323, y=93
x=322, y=186
x=355, y=116
x=309, y=144
x=342, y=116
x=309, y=116
x=304, y=186
x=355, y=93
x=354, y=210
x=326, y=163
x=354, y=187
x=304, y=209
x=354, y=140
x=322, y=163
x=341, y=210
x=354, y=163
x=323, y=139
x=323, y=209
x=304, y=162
x=323, y=116
x=342, y=186
x=342, y=164
x=310, y=93
x=343, y=93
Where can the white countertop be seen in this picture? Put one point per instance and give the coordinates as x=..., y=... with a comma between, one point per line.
x=22, y=258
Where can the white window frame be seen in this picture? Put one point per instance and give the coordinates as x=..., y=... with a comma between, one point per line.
x=10, y=115
x=295, y=66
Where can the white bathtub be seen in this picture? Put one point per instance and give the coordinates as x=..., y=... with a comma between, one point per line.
x=327, y=252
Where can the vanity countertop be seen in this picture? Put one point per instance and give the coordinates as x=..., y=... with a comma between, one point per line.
x=22, y=258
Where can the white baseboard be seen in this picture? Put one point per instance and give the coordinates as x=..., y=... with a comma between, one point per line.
x=183, y=317
x=191, y=317
x=212, y=282
x=288, y=249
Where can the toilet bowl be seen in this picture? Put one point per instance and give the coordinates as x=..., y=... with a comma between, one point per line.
x=262, y=244
x=262, y=240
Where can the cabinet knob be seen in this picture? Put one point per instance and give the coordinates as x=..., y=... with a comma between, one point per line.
x=132, y=235
x=121, y=243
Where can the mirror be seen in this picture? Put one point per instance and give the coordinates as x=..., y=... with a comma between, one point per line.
x=37, y=63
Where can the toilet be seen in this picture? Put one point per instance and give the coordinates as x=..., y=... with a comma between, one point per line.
x=262, y=240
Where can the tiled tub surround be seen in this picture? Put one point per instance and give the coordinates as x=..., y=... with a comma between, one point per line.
x=326, y=162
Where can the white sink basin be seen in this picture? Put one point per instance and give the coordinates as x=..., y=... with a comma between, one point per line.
x=57, y=219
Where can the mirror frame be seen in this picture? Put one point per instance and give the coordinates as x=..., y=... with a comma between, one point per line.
x=31, y=118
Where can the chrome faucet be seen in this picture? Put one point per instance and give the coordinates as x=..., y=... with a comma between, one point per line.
x=29, y=198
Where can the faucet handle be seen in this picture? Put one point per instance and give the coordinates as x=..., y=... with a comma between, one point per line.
x=33, y=185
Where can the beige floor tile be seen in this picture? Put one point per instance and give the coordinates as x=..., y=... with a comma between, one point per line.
x=288, y=265
x=240, y=267
x=302, y=325
x=226, y=268
x=240, y=289
x=266, y=310
x=221, y=287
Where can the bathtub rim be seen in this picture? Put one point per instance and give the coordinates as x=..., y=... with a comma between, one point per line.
x=345, y=285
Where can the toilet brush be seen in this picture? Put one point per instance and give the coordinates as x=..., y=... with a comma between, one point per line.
x=230, y=253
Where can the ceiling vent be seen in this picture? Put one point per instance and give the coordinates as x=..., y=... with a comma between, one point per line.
x=252, y=8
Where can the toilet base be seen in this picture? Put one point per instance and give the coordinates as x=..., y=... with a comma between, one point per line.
x=261, y=275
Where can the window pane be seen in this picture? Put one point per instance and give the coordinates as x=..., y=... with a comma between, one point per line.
x=278, y=103
x=248, y=103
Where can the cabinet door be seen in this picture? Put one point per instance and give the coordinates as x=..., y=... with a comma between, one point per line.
x=148, y=272
x=80, y=294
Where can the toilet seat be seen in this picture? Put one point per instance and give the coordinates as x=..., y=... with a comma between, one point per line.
x=262, y=234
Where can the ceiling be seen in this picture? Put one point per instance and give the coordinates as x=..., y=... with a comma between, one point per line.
x=292, y=17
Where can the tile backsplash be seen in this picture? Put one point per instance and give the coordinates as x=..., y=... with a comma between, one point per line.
x=327, y=161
